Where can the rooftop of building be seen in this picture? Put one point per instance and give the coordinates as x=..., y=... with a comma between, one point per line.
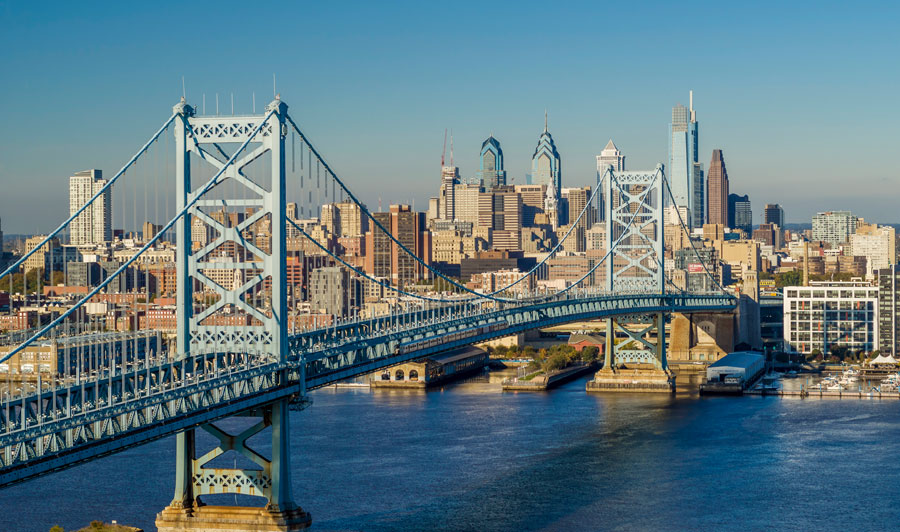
x=738, y=359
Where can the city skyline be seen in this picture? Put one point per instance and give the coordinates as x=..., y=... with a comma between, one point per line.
x=351, y=248
x=405, y=85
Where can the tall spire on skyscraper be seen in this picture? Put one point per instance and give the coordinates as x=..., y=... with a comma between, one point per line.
x=545, y=163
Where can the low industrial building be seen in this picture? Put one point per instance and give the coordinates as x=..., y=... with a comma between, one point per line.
x=432, y=370
x=733, y=373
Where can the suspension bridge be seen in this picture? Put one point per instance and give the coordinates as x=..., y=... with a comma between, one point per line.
x=219, y=186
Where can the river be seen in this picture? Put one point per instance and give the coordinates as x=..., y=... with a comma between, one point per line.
x=470, y=457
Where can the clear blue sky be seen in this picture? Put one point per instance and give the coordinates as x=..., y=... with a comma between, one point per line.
x=802, y=97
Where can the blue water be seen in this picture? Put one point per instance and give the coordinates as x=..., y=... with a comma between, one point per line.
x=469, y=457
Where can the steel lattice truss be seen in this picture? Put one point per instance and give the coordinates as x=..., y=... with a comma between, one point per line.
x=204, y=137
x=634, y=218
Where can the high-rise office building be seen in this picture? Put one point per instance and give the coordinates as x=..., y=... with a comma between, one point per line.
x=546, y=163
x=685, y=171
x=773, y=214
x=384, y=258
x=434, y=208
x=492, y=173
x=333, y=291
x=717, y=190
x=833, y=227
x=575, y=200
x=449, y=180
x=740, y=215
x=353, y=223
x=532, y=202
x=466, y=202
x=609, y=156
x=889, y=311
x=94, y=224
x=878, y=244
x=500, y=210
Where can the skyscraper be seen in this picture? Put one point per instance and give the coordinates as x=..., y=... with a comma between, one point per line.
x=773, y=214
x=492, y=173
x=384, y=258
x=609, y=156
x=576, y=199
x=94, y=224
x=545, y=163
x=740, y=216
x=449, y=180
x=889, y=311
x=685, y=171
x=833, y=227
x=717, y=190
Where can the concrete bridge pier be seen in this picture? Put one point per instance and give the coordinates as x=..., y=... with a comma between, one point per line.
x=635, y=370
x=187, y=512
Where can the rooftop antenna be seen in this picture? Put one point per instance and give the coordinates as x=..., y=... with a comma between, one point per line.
x=254, y=103
x=545, y=120
x=204, y=103
x=444, y=152
x=183, y=91
x=274, y=91
x=217, y=104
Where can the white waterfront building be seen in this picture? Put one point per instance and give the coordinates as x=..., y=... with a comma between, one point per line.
x=826, y=314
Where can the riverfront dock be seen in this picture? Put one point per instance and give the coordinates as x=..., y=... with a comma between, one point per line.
x=859, y=394
x=548, y=380
x=432, y=371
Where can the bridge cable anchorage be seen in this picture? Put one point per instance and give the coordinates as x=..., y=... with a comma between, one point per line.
x=210, y=184
x=99, y=193
x=406, y=250
x=690, y=240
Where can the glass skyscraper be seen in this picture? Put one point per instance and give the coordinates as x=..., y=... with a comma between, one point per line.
x=685, y=171
x=609, y=156
x=545, y=163
x=492, y=173
x=740, y=215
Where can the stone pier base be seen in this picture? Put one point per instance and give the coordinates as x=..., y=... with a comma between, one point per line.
x=639, y=378
x=231, y=519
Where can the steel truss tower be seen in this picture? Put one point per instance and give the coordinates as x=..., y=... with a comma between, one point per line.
x=244, y=321
x=634, y=232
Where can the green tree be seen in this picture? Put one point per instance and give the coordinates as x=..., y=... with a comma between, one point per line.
x=556, y=362
x=791, y=278
x=57, y=528
x=57, y=278
x=589, y=354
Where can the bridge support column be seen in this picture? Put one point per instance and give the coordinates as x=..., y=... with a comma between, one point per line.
x=640, y=365
x=272, y=481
